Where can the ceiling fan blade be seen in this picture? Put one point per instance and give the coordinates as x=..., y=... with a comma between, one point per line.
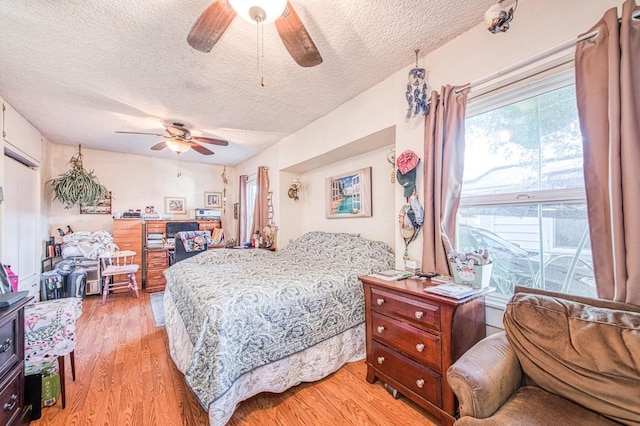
x=297, y=40
x=201, y=149
x=141, y=133
x=210, y=26
x=213, y=141
x=159, y=146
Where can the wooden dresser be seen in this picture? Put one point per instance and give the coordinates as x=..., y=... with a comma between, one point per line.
x=12, y=393
x=157, y=259
x=127, y=235
x=414, y=336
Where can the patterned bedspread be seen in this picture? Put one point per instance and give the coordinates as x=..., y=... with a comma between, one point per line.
x=247, y=308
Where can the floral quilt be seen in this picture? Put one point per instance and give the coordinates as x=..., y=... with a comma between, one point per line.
x=246, y=308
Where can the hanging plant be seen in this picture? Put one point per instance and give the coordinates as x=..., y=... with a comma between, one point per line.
x=77, y=186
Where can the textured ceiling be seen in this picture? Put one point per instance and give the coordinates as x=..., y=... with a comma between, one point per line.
x=80, y=70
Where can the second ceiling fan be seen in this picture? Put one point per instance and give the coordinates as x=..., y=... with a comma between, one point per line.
x=213, y=22
x=179, y=139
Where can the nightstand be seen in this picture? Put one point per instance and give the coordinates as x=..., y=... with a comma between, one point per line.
x=414, y=336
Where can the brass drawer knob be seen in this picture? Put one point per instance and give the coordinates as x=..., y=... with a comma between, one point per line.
x=380, y=301
x=420, y=383
x=6, y=345
x=8, y=406
x=419, y=314
x=380, y=328
x=420, y=347
x=380, y=359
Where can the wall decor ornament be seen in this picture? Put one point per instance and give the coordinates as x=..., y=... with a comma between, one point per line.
x=498, y=17
x=417, y=91
x=213, y=199
x=349, y=195
x=175, y=205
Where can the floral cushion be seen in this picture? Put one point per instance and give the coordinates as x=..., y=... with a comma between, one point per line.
x=195, y=240
x=49, y=331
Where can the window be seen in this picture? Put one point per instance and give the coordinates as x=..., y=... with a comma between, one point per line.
x=251, y=206
x=523, y=188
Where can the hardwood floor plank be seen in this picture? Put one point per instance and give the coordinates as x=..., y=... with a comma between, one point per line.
x=125, y=376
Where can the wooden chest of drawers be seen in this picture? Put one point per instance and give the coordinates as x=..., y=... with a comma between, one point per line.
x=414, y=336
x=157, y=261
x=127, y=235
x=12, y=396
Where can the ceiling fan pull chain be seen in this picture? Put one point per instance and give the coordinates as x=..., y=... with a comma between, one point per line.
x=260, y=48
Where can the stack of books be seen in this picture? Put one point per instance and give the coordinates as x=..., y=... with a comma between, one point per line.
x=392, y=275
x=455, y=291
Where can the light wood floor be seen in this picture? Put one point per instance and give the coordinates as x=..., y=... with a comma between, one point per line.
x=125, y=376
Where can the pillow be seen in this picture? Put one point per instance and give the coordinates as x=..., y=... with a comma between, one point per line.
x=585, y=350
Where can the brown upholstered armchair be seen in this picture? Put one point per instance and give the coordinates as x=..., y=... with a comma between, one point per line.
x=561, y=360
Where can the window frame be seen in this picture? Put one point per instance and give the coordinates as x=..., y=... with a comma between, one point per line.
x=545, y=78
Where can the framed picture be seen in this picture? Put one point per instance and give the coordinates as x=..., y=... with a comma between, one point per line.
x=102, y=207
x=175, y=205
x=213, y=199
x=349, y=194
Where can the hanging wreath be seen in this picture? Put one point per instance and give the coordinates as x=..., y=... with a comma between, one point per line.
x=77, y=186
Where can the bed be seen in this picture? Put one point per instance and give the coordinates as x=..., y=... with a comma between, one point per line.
x=241, y=322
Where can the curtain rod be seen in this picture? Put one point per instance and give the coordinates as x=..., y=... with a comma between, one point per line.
x=536, y=58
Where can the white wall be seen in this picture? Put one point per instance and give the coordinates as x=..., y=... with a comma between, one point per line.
x=313, y=198
x=135, y=182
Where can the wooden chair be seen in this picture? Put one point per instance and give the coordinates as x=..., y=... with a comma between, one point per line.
x=118, y=263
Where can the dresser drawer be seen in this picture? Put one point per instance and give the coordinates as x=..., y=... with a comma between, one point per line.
x=157, y=260
x=208, y=226
x=127, y=225
x=128, y=243
x=155, y=277
x=420, y=313
x=11, y=396
x=156, y=228
x=420, y=379
x=8, y=344
x=418, y=344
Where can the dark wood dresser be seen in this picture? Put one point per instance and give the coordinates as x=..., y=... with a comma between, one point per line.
x=414, y=336
x=12, y=396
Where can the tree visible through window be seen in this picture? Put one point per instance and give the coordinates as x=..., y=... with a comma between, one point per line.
x=523, y=188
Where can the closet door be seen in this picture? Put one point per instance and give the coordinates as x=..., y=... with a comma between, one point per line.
x=20, y=247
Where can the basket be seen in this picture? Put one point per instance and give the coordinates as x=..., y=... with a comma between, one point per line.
x=477, y=277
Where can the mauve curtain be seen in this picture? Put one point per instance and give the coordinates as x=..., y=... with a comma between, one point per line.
x=242, y=210
x=443, y=169
x=608, y=94
x=261, y=211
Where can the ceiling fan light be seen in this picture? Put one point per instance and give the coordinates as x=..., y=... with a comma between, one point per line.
x=249, y=9
x=178, y=146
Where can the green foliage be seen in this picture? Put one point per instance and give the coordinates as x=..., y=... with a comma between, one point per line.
x=77, y=186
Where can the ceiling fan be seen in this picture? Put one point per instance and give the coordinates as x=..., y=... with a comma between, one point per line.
x=178, y=138
x=213, y=22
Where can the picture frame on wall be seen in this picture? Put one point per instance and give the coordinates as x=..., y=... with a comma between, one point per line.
x=213, y=199
x=349, y=195
x=102, y=207
x=175, y=205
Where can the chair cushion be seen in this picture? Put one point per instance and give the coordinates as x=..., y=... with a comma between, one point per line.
x=117, y=270
x=49, y=331
x=533, y=406
x=584, y=350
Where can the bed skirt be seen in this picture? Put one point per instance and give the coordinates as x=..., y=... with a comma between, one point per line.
x=308, y=365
